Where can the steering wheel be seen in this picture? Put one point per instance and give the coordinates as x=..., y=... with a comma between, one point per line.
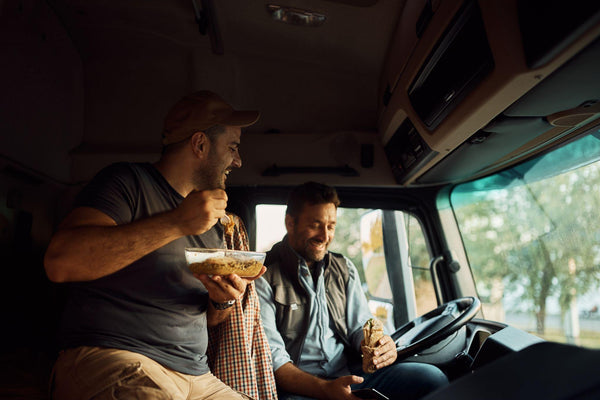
x=434, y=326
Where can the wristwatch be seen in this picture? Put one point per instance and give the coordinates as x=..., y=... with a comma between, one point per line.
x=222, y=306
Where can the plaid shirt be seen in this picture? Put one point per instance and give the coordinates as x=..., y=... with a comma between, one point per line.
x=238, y=350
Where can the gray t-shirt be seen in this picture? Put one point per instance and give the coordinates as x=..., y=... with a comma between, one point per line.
x=154, y=306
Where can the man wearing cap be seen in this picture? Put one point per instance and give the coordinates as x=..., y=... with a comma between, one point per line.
x=135, y=322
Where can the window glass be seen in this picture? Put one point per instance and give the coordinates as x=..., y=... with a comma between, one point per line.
x=420, y=258
x=532, y=237
x=376, y=280
x=373, y=257
x=270, y=225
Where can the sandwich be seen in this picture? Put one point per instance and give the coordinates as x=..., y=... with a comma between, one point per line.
x=373, y=332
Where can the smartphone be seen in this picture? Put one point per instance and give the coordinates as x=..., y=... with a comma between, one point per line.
x=371, y=394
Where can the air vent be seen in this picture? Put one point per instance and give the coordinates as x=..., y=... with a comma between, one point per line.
x=407, y=152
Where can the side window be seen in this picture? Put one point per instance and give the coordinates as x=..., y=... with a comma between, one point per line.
x=396, y=266
x=388, y=249
x=270, y=225
x=377, y=282
x=420, y=257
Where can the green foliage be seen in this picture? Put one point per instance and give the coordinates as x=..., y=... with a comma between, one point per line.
x=529, y=235
x=419, y=255
x=375, y=243
x=376, y=273
x=347, y=236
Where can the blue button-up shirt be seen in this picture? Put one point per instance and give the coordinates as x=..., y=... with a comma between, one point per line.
x=323, y=353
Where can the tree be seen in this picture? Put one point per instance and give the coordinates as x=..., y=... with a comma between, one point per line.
x=525, y=235
x=347, y=236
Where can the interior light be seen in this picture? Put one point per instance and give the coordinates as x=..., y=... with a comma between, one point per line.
x=295, y=16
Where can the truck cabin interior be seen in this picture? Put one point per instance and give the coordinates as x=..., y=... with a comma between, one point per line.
x=382, y=99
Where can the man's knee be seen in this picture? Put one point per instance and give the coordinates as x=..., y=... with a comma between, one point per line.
x=134, y=386
x=427, y=375
x=407, y=380
x=88, y=372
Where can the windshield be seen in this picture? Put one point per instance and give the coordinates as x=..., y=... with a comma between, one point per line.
x=532, y=237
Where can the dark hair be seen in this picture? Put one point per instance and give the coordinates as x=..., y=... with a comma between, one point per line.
x=311, y=193
x=214, y=131
x=211, y=133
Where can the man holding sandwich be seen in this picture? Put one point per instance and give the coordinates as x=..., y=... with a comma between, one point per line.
x=135, y=323
x=315, y=314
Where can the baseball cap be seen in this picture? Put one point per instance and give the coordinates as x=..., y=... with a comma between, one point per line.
x=199, y=111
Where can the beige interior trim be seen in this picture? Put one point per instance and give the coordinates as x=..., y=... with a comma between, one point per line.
x=509, y=80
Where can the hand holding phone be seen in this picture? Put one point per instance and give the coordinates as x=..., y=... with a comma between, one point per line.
x=369, y=393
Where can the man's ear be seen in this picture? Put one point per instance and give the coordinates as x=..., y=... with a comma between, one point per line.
x=199, y=144
x=289, y=223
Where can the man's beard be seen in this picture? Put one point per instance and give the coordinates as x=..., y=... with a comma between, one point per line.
x=312, y=255
x=208, y=178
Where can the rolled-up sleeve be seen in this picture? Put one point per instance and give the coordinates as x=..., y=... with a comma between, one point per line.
x=267, y=313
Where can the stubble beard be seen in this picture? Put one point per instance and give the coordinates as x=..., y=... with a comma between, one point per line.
x=208, y=178
x=311, y=255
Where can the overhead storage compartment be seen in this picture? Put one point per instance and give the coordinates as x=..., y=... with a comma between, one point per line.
x=459, y=61
x=549, y=26
x=468, y=74
x=549, y=112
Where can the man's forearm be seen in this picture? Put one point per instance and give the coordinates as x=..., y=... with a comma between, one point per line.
x=292, y=379
x=88, y=252
x=214, y=317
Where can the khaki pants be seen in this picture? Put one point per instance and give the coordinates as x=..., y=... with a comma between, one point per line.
x=98, y=373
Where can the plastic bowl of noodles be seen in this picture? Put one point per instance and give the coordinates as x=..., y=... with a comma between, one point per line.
x=224, y=262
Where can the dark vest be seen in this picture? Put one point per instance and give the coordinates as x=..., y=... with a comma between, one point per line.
x=292, y=307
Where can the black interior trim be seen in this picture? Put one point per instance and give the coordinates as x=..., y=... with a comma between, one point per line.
x=459, y=62
x=547, y=370
x=549, y=26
